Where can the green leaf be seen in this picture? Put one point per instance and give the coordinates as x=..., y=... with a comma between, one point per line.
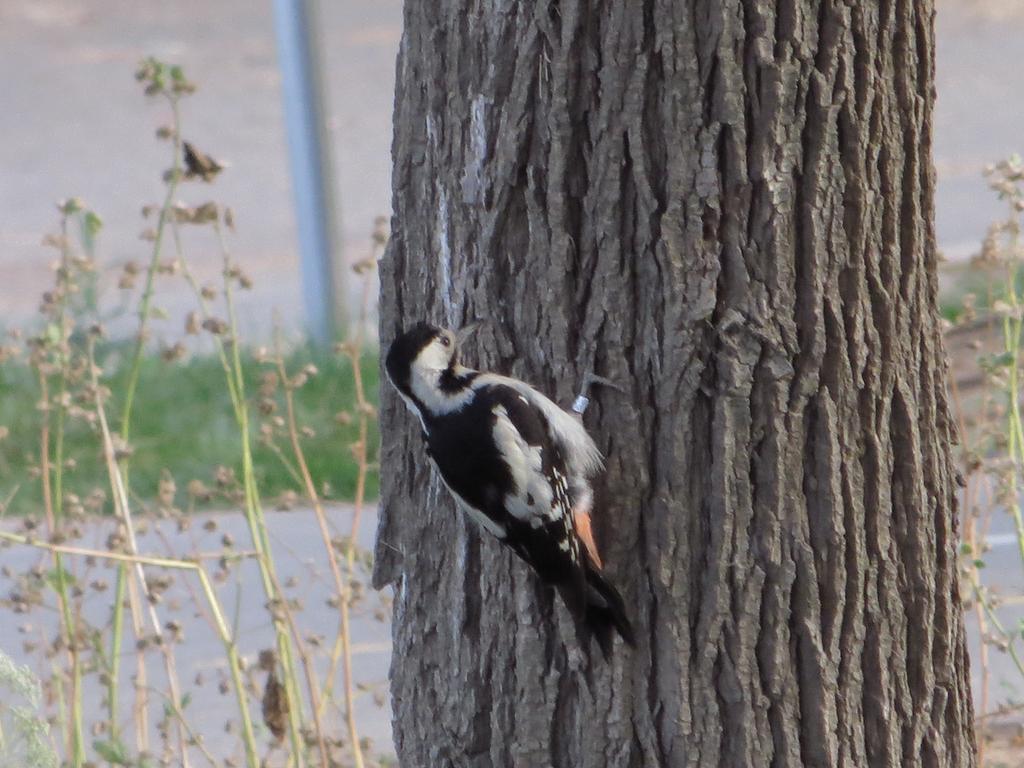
x=1004, y=360
x=113, y=751
x=53, y=333
x=186, y=700
x=52, y=578
x=979, y=563
x=70, y=206
x=91, y=225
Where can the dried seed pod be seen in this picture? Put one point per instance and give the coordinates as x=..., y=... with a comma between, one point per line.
x=199, y=164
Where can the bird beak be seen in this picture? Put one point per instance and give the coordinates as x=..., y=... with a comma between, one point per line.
x=463, y=334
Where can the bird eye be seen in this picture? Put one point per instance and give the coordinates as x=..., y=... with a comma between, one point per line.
x=446, y=341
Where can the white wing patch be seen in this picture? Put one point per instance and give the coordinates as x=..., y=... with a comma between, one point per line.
x=532, y=495
x=582, y=457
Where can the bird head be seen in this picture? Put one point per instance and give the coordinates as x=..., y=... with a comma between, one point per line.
x=422, y=354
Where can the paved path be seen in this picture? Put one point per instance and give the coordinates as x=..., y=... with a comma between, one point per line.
x=74, y=122
x=979, y=116
x=303, y=571
x=1004, y=575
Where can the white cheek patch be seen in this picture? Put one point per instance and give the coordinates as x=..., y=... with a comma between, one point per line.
x=433, y=357
x=424, y=381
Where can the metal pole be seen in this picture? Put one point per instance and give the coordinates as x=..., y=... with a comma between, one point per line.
x=309, y=153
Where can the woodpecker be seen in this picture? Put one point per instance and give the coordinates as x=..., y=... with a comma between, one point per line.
x=516, y=464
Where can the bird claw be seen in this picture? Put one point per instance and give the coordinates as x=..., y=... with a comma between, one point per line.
x=592, y=378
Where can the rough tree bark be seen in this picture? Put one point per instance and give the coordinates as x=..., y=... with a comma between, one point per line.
x=727, y=207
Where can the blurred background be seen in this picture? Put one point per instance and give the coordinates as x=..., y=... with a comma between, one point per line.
x=74, y=122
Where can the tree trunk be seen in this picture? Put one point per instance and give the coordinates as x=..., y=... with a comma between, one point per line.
x=726, y=206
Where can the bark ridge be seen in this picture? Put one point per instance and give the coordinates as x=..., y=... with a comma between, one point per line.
x=727, y=207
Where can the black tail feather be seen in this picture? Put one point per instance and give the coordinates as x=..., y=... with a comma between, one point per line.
x=605, y=613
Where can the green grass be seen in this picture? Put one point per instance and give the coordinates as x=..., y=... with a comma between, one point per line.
x=985, y=284
x=183, y=423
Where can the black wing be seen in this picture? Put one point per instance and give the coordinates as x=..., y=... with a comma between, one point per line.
x=498, y=457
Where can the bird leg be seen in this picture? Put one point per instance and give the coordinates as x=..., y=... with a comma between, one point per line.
x=582, y=400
